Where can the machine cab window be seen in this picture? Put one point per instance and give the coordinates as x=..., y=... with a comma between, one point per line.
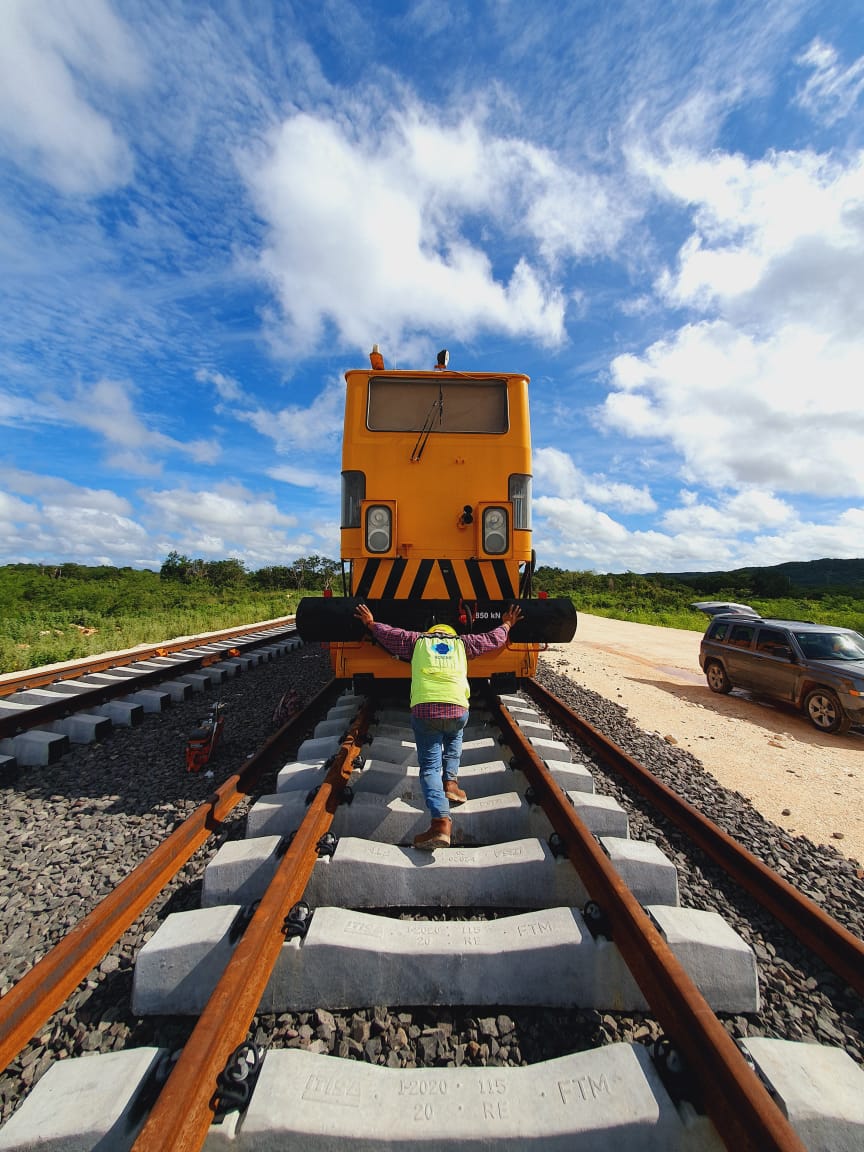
x=421, y=404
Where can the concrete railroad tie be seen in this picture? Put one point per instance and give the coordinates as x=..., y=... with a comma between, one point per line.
x=608, y=1100
x=350, y=958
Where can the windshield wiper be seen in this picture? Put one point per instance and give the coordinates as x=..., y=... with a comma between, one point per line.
x=437, y=406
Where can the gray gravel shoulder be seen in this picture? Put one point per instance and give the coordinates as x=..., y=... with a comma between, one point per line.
x=76, y=828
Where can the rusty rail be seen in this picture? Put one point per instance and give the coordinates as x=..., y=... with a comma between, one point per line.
x=741, y=1108
x=822, y=934
x=51, y=673
x=26, y=1006
x=181, y=1117
x=65, y=705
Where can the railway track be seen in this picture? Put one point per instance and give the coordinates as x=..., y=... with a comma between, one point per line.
x=540, y=944
x=45, y=710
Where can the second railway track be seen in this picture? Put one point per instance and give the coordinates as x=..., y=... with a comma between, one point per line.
x=45, y=710
x=463, y=1029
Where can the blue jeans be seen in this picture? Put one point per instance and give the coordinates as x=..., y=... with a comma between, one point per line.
x=439, y=747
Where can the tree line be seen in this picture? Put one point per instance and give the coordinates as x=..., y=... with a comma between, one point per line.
x=312, y=573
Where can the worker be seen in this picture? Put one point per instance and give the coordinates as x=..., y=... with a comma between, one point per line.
x=439, y=706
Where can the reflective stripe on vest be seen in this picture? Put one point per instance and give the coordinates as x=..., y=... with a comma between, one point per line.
x=439, y=671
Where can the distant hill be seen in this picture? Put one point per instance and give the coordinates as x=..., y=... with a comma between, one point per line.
x=776, y=579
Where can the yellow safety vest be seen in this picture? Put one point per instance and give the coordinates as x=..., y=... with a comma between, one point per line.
x=439, y=671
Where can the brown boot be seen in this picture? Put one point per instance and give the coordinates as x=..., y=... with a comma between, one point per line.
x=454, y=793
x=438, y=835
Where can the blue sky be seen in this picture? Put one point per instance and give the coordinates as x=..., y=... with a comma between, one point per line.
x=209, y=211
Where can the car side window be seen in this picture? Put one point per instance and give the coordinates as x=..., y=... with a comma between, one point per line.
x=718, y=631
x=772, y=642
x=741, y=635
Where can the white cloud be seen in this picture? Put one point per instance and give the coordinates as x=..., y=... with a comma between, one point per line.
x=746, y=511
x=312, y=428
x=107, y=408
x=305, y=478
x=555, y=472
x=52, y=519
x=62, y=493
x=763, y=392
x=17, y=410
x=226, y=387
x=229, y=509
x=371, y=229
x=429, y=18
x=775, y=241
x=748, y=528
x=227, y=521
x=47, y=116
x=842, y=538
x=831, y=92
x=84, y=532
x=581, y=537
x=781, y=413
x=13, y=510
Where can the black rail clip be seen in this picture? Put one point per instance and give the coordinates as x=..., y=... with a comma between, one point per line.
x=754, y=1067
x=596, y=920
x=148, y=1090
x=236, y=1082
x=674, y=1072
x=297, y=921
x=347, y=796
x=326, y=846
x=531, y=797
x=311, y=794
x=557, y=846
x=242, y=920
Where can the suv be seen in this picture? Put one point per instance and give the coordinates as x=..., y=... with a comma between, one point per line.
x=817, y=668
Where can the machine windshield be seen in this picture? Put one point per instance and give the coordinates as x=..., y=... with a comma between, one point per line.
x=436, y=405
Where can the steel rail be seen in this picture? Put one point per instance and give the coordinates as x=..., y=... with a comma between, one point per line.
x=743, y=1112
x=30, y=1002
x=66, y=705
x=69, y=670
x=821, y=933
x=181, y=1117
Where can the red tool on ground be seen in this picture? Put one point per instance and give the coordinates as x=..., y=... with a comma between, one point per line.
x=202, y=742
x=288, y=706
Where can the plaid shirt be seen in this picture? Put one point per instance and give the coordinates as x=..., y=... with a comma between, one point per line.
x=400, y=643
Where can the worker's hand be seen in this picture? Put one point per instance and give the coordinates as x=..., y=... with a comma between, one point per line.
x=364, y=615
x=512, y=615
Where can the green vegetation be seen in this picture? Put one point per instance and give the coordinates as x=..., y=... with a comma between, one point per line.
x=49, y=614
x=665, y=599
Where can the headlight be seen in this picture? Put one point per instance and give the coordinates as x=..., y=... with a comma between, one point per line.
x=495, y=530
x=379, y=528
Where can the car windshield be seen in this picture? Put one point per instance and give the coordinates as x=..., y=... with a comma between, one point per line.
x=831, y=645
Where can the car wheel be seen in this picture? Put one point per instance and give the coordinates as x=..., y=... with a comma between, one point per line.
x=824, y=711
x=717, y=679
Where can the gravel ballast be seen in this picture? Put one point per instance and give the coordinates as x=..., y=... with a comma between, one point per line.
x=74, y=829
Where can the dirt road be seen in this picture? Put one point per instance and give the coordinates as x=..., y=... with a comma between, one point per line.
x=808, y=783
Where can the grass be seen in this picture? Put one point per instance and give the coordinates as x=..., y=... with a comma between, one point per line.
x=46, y=618
x=813, y=610
x=35, y=639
